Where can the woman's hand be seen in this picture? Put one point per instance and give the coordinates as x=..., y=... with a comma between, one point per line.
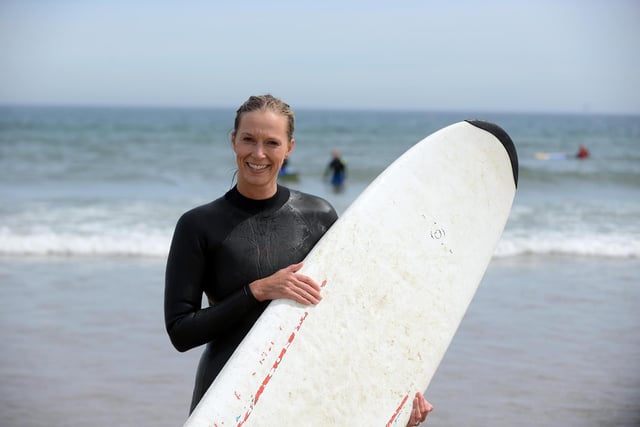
x=421, y=408
x=287, y=283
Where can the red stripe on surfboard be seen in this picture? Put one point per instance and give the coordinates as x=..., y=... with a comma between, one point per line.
x=275, y=365
x=395, y=414
x=273, y=369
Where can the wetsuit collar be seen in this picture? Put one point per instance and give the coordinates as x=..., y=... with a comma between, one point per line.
x=254, y=206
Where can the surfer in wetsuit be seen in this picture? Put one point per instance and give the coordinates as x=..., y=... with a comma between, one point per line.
x=338, y=170
x=245, y=248
x=582, y=153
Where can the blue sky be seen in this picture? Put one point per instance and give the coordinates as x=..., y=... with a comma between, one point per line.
x=510, y=55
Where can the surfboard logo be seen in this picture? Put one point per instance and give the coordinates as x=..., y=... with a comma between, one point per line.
x=438, y=234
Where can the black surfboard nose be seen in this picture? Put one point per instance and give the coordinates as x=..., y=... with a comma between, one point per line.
x=504, y=138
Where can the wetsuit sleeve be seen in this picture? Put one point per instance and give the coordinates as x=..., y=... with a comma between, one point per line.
x=188, y=324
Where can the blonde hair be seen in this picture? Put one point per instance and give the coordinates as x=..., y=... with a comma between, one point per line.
x=266, y=103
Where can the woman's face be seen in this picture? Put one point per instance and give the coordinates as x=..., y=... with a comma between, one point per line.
x=261, y=144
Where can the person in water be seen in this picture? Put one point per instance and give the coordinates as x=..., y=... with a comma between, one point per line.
x=338, y=170
x=245, y=248
x=284, y=170
x=582, y=153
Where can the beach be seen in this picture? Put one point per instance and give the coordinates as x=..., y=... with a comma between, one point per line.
x=89, y=199
x=546, y=341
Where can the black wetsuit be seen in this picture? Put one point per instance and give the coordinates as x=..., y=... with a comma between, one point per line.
x=339, y=172
x=221, y=247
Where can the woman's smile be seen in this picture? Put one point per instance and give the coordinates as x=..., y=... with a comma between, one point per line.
x=257, y=167
x=261, y=144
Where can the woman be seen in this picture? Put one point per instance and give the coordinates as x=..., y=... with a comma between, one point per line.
x=245, y=248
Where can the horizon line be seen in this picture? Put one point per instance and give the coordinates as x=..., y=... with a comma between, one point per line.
x=323, y=108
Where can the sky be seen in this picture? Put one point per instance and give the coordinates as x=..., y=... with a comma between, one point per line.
x=579, y=56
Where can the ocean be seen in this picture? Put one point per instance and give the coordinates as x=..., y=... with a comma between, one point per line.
x=89, y=198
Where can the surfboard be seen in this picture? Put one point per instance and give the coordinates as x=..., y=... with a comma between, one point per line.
x=401, y=266
x=289, y=176
x=551, y=156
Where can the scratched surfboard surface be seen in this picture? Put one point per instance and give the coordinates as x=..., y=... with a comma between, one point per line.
x=401, y=267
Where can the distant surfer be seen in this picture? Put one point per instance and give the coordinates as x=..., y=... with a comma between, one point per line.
x=286, y=173
x=284, y=170
x=338, y=170
x=245, y=248
x=582, y=153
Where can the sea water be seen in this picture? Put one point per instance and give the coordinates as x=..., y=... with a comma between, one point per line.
x=79, y=182
x=89, y=198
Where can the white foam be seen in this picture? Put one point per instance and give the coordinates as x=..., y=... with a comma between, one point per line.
x=147, y=242
x=144, y=228
x=603, y=245
x=114, y=243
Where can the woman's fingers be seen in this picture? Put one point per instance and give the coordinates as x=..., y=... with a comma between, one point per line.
x=420, y=410
x=305, y=290
x=288, y=283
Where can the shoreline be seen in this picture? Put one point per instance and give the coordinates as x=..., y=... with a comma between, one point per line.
x=84, y=341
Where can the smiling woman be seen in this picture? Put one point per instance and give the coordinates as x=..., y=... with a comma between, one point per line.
x=246, y=248
x=262, y=140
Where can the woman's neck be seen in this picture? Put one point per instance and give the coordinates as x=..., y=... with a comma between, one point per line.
x=256, y=192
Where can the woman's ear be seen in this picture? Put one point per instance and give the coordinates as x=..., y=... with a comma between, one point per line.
x=291, y=144
x=233, y=140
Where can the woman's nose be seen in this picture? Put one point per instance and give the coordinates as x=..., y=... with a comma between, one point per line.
x=258, y=150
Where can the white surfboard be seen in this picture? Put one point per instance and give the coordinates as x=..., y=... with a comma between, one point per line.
x=551, y=156
x=401, y=267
